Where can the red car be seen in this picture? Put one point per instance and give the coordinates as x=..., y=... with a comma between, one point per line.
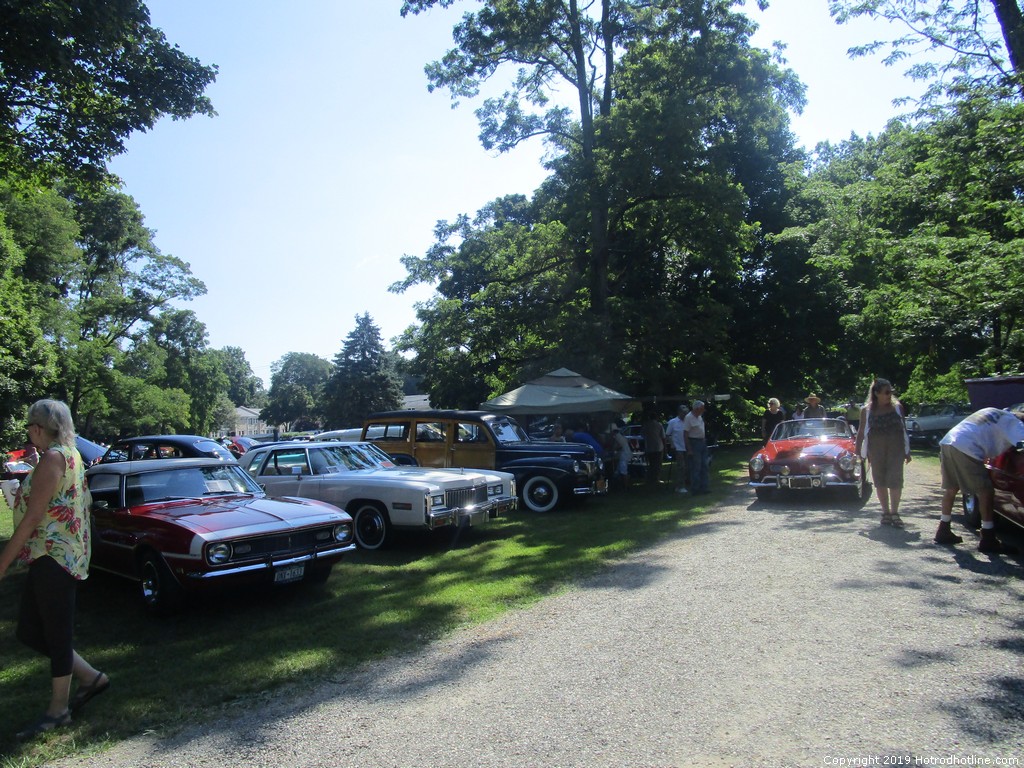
x=178, y=525
x=1007, y=473
x=809, y=453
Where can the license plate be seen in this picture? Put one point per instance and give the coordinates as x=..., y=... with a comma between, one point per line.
x=291, y=573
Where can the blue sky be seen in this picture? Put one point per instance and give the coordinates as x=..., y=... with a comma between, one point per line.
x=329, y=159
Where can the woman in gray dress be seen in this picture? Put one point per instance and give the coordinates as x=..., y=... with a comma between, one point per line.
x=883, y=441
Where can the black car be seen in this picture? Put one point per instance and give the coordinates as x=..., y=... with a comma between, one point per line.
x=165, y=447
x=546, y=472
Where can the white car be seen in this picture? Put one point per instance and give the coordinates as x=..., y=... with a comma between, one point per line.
x=380, y=496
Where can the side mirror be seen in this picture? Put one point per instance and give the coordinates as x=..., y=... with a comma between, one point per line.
x=296, y=470
x=1019, y=447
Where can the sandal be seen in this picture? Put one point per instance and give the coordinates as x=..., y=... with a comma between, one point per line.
x=895, y=520
x=87, y=693
x=887, y=518
x=42, y=725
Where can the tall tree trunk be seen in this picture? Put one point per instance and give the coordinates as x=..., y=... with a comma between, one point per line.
x=1012, y=23
x=597, y=202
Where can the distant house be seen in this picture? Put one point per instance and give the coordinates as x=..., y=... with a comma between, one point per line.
x=248, y=423
x=415, y=402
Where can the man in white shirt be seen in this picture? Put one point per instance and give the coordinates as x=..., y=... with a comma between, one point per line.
x=674, y=433
x=696, y=448
x=962, y=453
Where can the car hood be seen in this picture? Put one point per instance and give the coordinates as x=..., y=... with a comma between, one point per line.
x=580, y=451
x=424, y=477
x=241, y=514
x=789, y=450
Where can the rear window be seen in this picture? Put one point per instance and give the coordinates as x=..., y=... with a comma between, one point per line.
x=214, y=449
x=397, y=430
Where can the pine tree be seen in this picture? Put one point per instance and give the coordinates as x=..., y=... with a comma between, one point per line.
x=364, y=378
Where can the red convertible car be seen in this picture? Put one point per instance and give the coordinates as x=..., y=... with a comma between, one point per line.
x=178, y=525
x=1007, y=473
x=809, y=453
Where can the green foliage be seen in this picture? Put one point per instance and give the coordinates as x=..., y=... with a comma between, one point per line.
x=364, y=378
x=244, y=387
x=954, y=45
x=296, y=391
x=920, y=231
x=26, y=360
x=629, y=263
x=76, y=79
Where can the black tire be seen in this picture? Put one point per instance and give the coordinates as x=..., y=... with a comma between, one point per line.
x=371, y=525
x=972, y=513
x=161, y=594
x=764, y=494
x=862, y=490
x=540, y=494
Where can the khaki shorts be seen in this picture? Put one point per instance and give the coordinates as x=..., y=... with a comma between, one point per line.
x=962, y=471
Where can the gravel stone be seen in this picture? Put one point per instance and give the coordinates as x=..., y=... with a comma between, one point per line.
x=797, y=632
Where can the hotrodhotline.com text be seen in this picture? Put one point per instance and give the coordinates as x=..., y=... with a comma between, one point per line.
x=865, y=760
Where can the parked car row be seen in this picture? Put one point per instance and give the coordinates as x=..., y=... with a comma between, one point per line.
x=547, y=474
x=182, y=513
x=175, y=519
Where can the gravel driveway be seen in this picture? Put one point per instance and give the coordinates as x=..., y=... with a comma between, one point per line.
x=793, y=633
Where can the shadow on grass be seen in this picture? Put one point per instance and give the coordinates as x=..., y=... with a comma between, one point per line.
x=228, y=649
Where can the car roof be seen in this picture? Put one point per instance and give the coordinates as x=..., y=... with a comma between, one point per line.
x=155, y=465
x=189, y=439
x=311, y=444
x=438, y=414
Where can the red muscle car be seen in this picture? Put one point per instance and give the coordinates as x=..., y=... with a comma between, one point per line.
x=178, y=525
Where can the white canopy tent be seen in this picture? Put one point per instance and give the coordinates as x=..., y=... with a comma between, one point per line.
x=561, y=391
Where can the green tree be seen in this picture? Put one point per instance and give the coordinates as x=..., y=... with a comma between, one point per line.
x=921, y=234
x=27, y=364
x=244, y=387
x=190, y=366
x=661, y=185
x=954, y=44
x=76, y=79
x=296, y=393
x=364, y=378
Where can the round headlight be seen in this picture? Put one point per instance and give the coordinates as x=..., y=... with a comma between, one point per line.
x=343, y=532
x=814, y=469
x=575, y=467
x=219, y=553
x=847, y=462
x=757, y=463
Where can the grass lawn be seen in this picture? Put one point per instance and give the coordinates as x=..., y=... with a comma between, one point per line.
x=170, y=671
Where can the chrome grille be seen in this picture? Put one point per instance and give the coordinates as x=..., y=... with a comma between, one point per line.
x=279, y=545
x=461, y=498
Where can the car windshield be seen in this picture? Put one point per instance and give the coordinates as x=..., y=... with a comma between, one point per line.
x=820, y=428
x=508, y=431
x=347, y=456
x=935, y=410
x=187, y=483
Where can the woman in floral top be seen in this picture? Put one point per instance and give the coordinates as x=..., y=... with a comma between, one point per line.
x=51, y=537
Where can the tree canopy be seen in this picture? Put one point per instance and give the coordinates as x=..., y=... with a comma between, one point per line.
x=664, y=173
x=76, y=79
